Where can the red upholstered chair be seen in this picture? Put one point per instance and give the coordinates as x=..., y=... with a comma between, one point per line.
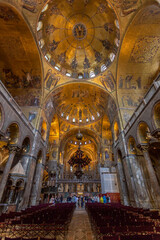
x=111, y=238
x=18, y=238
x=136, y=237
x=47, y=238
x=29, y=238
x=156, y=237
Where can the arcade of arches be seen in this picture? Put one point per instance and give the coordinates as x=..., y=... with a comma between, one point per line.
x=79, y=66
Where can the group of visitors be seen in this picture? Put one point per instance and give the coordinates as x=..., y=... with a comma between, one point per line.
x=81, y=200
x=56, y=199
x=105, y=199
x=101, y=199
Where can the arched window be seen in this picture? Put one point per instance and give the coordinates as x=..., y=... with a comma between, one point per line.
x=106, y=155
x=26, y=145
x=44, y=130
x=131, y=146
x=156, y=115
x=116, y=131
x=143, y=131
x=12, y=133
x=39, y=157
x=119, y=156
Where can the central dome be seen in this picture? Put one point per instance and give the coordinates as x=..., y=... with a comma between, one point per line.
x=79, y=38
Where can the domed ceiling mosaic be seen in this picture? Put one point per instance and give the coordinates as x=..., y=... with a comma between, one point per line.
x=79, y=38
x=81, y=105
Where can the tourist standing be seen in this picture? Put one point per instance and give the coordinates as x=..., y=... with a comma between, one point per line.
x=101, y=199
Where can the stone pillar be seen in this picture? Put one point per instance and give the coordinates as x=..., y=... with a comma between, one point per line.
x=122, y=183
x=103, y=154
x=11, y=194
x=26, y=195
x=25, y=159
x=64, y=187
x=12, y=151
x=144, y=199
x=37, y=182
x=19, y=195
x=69, y=188
x=88, y=188
x=40, y=185
x=152, y=175
x=133, y=198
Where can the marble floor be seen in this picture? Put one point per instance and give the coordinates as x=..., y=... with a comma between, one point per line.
x=80, y=228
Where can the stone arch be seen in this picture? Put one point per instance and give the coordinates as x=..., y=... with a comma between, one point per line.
x=2, y=116
x=49, y=99
x=20, y=182
x=74, y=131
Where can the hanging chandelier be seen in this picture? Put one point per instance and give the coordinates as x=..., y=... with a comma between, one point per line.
x=79, y=160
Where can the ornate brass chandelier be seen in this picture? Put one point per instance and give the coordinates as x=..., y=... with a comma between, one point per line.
x=79, y=160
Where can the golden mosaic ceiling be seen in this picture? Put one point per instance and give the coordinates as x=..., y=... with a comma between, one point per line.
x=20, y=68
x=80, y=104
x=79, y=38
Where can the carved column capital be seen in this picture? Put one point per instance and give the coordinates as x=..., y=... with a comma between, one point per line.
x=12, y=187
x=156, y=134
x=143, y=147
x=13, y=148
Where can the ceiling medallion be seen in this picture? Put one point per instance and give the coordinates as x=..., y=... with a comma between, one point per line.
x=79, y=39
x=79, y=31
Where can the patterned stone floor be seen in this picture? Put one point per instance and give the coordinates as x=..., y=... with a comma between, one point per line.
x=80, y=228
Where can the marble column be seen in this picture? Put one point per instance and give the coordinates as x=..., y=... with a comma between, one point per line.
x=12, y=151
x=88, y=188
x=19, y=195
x=26, y=195
x=144, y=199
x=122, y=183
x=25, y=159
x=130, y=182
x=40, y=185
x=64, y=188
x=11, y=194
x=69, y=188
x=152, y=175
x=36, y=182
